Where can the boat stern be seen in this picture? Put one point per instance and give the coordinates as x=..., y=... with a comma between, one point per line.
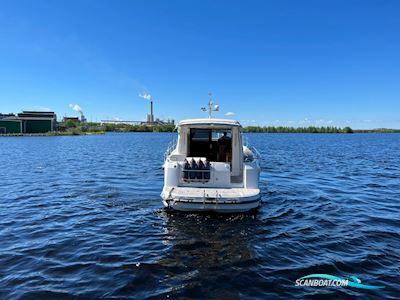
x=221, y=200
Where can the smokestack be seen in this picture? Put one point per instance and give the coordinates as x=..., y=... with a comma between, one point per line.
x=151, y=112
x=150, y=116
x=83, y=119
x=78, y=109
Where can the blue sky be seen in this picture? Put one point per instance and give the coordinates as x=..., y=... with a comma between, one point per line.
x=295, y=63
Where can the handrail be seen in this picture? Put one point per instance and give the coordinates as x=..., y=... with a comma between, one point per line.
x=171, y=147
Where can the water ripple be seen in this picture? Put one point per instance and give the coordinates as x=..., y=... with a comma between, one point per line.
x=81, y=217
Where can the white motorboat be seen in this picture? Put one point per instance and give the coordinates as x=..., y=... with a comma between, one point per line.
x=209, y=168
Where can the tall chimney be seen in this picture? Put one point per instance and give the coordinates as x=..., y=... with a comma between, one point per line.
x=151, y=112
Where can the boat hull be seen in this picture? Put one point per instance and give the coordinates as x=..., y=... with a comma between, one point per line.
x=235, y=200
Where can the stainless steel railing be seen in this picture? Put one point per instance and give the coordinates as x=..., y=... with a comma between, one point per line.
x=171, y=147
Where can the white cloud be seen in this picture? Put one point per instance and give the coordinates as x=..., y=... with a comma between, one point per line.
x=145, y=96
x=75, y=107
x=230, y=114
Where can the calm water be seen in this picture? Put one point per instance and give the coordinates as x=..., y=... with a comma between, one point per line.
x=81, y=217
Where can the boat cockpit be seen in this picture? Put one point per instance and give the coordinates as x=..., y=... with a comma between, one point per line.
x=215, y=145
x=209, y=151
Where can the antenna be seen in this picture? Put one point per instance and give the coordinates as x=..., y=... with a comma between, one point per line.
x=211, y=107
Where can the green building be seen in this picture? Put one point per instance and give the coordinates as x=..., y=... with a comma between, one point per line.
x=28, y=122
x=10, y=126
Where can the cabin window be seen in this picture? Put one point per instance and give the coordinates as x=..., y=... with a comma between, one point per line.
x=215, y=145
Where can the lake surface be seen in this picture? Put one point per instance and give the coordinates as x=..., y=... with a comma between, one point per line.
x=81, y=217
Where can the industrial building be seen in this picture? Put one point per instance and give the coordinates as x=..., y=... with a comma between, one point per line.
x=28, y=122
x=150, y=120
x=71, y=119
x=9, y=123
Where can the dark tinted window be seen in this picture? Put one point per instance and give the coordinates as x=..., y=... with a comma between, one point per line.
x=200, y=134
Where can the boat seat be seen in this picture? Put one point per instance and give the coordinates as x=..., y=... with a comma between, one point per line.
x=199, y=171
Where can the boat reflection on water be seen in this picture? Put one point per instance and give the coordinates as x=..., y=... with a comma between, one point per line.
x=210, y=255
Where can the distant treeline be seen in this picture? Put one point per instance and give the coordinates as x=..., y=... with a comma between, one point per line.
x=378, y=130
x=137, y=128
x=79, y=128
x=82, y=128
x=310, y=129
x=313, y=129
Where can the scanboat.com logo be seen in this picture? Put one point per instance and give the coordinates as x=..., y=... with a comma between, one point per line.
x=330, y=280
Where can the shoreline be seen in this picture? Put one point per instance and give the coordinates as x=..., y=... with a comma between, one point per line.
x=52, y=134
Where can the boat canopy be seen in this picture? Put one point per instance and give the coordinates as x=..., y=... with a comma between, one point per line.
x=204, y=138
x=209, y=122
